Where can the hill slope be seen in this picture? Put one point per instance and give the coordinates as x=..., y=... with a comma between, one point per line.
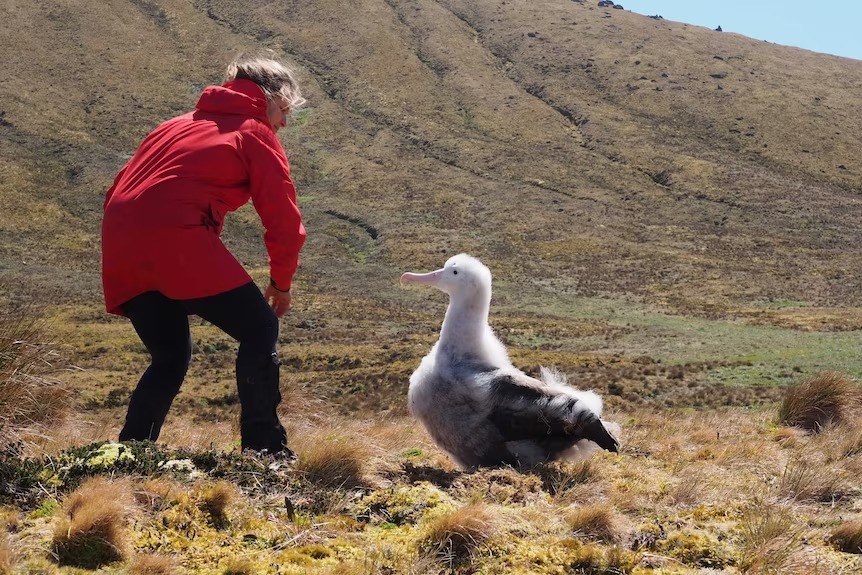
x=527, y=133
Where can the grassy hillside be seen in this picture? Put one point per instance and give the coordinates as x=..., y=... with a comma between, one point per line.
x=672, y=216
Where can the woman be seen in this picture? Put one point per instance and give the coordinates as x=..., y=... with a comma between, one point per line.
x=162, y=259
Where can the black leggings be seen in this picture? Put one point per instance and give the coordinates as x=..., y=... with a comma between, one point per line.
x=163, y=326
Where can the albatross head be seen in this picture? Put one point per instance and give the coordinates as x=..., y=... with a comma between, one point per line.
x=462, y=275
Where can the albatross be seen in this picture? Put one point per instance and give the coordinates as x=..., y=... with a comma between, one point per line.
x=476, y=405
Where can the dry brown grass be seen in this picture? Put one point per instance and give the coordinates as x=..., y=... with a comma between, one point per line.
x=153, y=564
x=7, y=555
x=332, y=461
x=569, y=481
x=847, y=537
x=456, y=535
x=810, y=480
x=29, y=394
x=690, y=486
x=380, y=561
x=155, y=493
x=299, y=397
x=827, y=398
x=787, y=436
x=504, y=486
x=91, y=531
x=769, y=536
x=848, y=442
x=215, y=499
x=596, y=521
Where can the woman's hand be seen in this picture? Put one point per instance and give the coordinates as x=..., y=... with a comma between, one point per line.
x=278, y=300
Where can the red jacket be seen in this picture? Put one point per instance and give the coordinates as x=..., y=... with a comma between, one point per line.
x=166, y=208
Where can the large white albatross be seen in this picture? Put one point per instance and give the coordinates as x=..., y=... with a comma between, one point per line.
x=476, y=405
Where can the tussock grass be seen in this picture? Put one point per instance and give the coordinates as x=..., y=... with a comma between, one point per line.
x=215, y=499
x=596, y=521
x=153, y=564
x=688, y=490
x=787, y=436
x=769, y=537
x=10, y=519
x=564, y=480
x=847, y=444
x=91, y=530
x=332, y=461
x=191, y=434
x=805, y=480
x=155, y=493
x=297, y=396
x=28, y=393
x=847, y=537
x=826, y=398
x=455, y=536
x=7, y=556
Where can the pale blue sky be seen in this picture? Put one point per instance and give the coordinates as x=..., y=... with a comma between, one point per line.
x=831, y=27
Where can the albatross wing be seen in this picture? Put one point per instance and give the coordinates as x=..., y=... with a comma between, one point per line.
x=553, y=417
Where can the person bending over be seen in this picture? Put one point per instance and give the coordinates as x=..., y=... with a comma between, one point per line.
x=163, y=259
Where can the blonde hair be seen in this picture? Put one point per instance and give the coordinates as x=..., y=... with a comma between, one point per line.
x=265, y=70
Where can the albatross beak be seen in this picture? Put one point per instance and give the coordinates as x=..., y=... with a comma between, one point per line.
x=431, y=278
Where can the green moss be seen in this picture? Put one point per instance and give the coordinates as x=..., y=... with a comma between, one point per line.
x=717, y=512
x=45, y=509
x=316, y=551
x=401, y=504
x=564, y=557
x=109, y=455
x=695, y=549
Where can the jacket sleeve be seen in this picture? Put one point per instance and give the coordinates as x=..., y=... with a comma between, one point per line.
x=113, y=187
x=274, y=198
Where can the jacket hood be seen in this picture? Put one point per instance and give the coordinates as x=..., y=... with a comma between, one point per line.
x=236, y=97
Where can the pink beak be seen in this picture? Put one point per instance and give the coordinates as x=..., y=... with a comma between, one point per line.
x=431, y=278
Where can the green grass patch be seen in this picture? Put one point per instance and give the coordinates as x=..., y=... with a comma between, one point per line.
x=768, y=355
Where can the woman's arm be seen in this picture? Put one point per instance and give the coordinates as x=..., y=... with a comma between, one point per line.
x=274, y=198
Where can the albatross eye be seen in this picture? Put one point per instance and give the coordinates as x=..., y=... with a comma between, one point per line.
x=455, y=272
